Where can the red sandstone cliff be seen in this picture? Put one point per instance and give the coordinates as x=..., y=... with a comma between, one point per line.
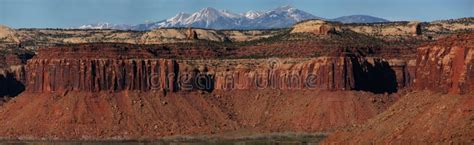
x=124, y=93
x=427, y=117
x=119, y=69
x=447, y=65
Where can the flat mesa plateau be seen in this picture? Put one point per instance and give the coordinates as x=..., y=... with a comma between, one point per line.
x=317, y=82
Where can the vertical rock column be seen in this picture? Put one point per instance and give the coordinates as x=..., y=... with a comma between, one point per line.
x=100, y=75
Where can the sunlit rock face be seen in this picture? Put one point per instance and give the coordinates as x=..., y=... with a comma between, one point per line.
x=447, y=65
x=119, y=69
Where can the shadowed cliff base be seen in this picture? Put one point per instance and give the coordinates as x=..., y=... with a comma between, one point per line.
x=376, y=76
x=10, y=86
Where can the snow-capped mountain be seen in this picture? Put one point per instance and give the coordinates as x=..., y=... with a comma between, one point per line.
x=212, y=18
x=359, y=19
x=104, y=25
x=205, y=18
x=280, y=18
x=253, y=14
x=221, y=19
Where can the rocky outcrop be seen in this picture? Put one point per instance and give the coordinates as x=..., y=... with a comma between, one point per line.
x=158, y=36
x=45, y=37
x=192, y=35
x=449, y=26
x=388, y=29
x=8, y=35
x=447, y=65
x=377, y=29
x=318, y=27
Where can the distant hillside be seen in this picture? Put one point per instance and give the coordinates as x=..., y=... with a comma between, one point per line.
x=359, y=19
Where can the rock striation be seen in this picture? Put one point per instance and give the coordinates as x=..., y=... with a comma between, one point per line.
x=439, y=111
x=447, y=65
x=138, y=69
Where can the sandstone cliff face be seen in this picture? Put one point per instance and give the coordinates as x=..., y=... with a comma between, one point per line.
x=97, y=74
x=447, y=65
x=164, y=74
x=444, y=113
x=318, y=27
x=122, y=68
x=446, y=26
x=381, y=30
x=249, y=35
x=377, y=29
x=327, y=73
x=390, y=29
x=159, y=36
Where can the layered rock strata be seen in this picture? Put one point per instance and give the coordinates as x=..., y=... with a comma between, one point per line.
x=447, y=65
x=135, y=69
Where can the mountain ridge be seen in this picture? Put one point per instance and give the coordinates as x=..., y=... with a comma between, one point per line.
x=359, y=19
x=211, y=18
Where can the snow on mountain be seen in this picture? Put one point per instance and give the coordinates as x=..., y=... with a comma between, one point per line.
x=105, y=25
x=180, y=17
x=253, y=14
x=359, y=19
x=221, y=19
x=281, y=17
x=211, y=18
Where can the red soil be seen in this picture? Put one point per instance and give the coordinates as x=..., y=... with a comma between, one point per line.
x=151, y=115
x=417, y=118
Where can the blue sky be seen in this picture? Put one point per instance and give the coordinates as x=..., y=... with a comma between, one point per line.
x=69, y=13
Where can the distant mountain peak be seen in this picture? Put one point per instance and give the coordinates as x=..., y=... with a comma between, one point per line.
x=280, y=17
x=253, y=14
x=180, y=16
x=285, y=8
x=359, y=19
x=208, y=10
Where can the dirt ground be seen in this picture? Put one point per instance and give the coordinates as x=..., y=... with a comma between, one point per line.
x=152, y=115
